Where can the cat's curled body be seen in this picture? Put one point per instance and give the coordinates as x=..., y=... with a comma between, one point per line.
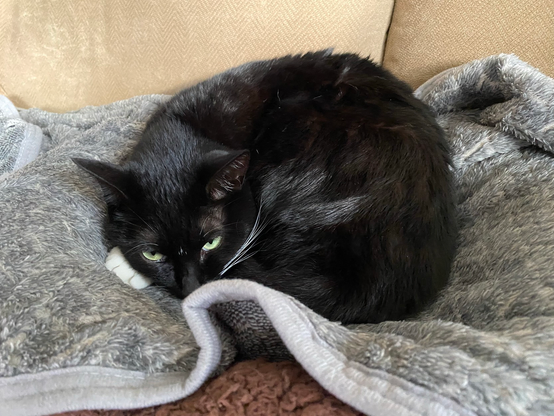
x=319, y=175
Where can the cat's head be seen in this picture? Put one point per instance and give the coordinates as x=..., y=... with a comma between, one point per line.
x=179, y=223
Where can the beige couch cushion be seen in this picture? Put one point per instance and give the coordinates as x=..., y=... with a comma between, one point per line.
x=65, y=54
x=428, y=36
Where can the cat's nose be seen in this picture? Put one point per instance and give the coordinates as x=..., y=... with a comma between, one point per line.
x=191, y=279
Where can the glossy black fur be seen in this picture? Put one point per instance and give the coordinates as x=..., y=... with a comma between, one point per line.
x=350, y=175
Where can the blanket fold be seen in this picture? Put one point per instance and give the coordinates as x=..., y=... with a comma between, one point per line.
x=20, y=142
x=485, y=347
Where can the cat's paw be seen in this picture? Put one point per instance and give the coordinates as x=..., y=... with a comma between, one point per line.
x=116, y=263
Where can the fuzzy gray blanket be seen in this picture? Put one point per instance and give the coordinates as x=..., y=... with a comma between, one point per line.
x=73, y=336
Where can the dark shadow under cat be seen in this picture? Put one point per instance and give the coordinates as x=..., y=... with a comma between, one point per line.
x=319, y=175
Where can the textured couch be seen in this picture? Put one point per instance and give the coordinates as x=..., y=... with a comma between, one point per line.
x=63, y=55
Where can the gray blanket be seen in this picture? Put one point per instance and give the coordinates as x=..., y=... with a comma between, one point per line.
x=73, y=336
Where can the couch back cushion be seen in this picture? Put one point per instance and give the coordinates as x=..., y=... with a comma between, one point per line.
x=62, y=55
x=428, y=36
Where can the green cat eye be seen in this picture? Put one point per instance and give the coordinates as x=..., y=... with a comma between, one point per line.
x=152, y=255
x=213, y=243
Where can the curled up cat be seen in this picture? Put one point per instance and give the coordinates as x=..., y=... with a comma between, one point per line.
x=318, y=175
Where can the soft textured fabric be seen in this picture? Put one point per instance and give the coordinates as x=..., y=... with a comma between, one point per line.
x=62, y=55
x=429, y=36
x=59, y=306
x=250, y=388
x=73, y=336
x=20, y=142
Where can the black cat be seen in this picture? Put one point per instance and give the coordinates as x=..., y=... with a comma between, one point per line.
x=319, y=175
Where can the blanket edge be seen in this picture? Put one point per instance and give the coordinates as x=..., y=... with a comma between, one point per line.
x=87, y=388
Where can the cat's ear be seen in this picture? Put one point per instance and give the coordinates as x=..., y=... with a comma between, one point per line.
x=229, y=177
x=112, y=179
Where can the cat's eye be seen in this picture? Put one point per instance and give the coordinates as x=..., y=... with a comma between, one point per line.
x=212, y=244
x=152, y=255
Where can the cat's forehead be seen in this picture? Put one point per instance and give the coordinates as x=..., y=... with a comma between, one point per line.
x=148, y=233
x=211, y=217
x=163, y=186
x=181, y=224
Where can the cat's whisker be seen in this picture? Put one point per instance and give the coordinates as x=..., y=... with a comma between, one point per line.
x=224, y=227
x=203, y=224
x=131, y=225
x=230, y=225
x=145, y=223
x=242, y=253
x=239, y=261
x=138, y=246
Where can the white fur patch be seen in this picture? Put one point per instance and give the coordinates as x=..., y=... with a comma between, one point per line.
x=116, y=263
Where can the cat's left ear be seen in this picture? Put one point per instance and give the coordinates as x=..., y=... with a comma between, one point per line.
x=230, y=176
x=112, y=179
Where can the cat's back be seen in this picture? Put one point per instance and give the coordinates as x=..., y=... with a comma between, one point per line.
x=228, y=108
x=332, y=127
x=331, y=110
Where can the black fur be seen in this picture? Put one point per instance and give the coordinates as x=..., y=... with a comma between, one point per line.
x=347, y=173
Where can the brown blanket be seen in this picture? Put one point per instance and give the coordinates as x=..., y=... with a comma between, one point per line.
x=249, y=388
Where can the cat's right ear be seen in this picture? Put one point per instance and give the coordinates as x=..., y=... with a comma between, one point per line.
x=112, y=179
x=229, y=177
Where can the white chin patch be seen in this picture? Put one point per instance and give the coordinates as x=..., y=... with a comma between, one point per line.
x=116, y=263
